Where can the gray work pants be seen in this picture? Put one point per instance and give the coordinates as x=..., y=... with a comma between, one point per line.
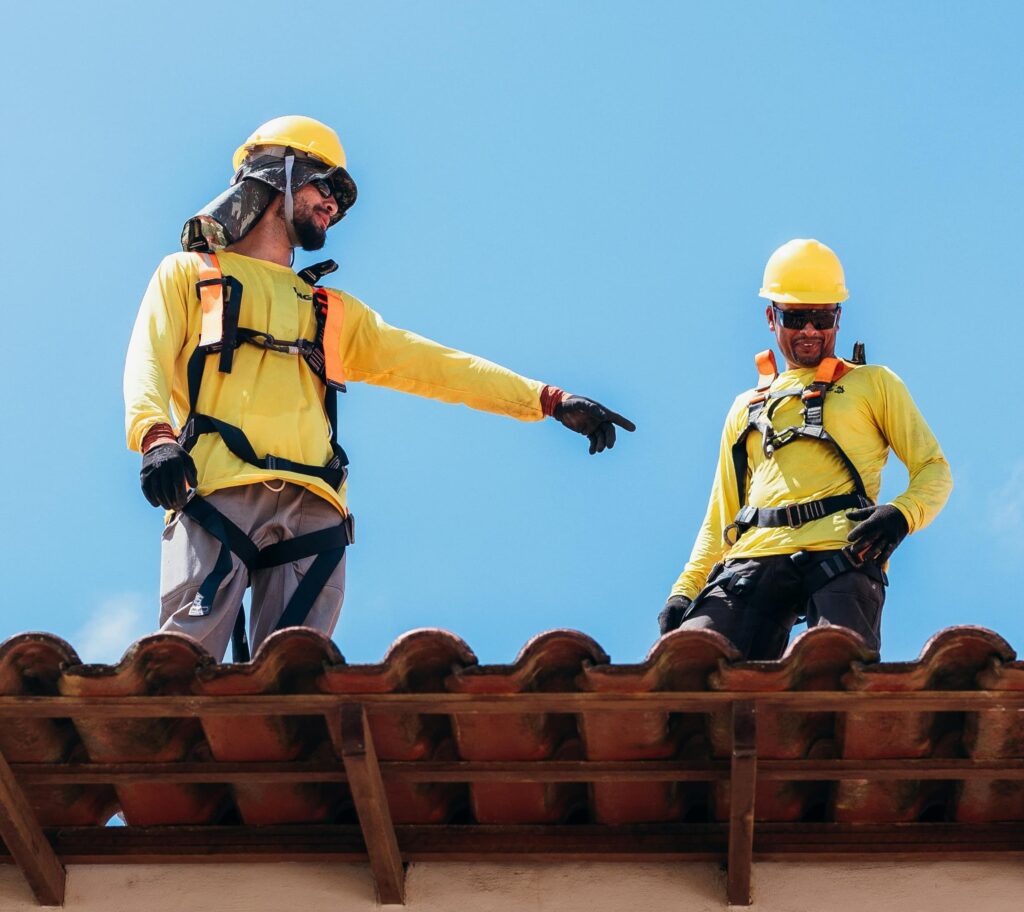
x=757, y=617
x=189, y=553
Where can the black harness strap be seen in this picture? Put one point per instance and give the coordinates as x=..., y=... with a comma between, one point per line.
x=224, y=530
x=818, y=568
x=326, y=546
x=795, y=515
x=235, y=440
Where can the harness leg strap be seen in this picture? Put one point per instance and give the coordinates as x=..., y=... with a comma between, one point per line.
x=818, y=568
x=329, y=547
x=239, y=641
x=309, y=589
x=232, y=539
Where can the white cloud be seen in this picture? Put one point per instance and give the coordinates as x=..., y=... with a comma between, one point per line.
x=117, y=622
x=1007, y=509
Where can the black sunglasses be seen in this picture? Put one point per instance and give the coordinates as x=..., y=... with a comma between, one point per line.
x=322, y=187
x=798, y=319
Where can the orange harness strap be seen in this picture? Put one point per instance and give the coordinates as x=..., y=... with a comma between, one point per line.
x=767, y=369
x=332, y=309
x=831, y=369
x=211, y=296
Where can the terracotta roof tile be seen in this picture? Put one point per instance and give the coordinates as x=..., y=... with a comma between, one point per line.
x=682, y=661
x=551, y=662
x=417, y=662
x=157, y=665
x=950, y=660
x=30, y=665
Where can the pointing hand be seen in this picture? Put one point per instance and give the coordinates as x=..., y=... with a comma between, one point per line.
x=593, y=420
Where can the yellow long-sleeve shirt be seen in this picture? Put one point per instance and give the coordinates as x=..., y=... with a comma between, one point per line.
x=273, y=397
x=867, y=411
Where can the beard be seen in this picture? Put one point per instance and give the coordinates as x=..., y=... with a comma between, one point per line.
x=308, y=231
x=805, y=357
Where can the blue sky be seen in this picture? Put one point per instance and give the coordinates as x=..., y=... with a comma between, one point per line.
x=586, y=193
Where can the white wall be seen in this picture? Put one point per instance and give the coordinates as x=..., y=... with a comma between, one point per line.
x=565, y=887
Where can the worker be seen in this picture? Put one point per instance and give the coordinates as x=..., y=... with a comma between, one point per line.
x=231, y=385
x=792, y=528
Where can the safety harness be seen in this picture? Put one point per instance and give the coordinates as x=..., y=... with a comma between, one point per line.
x=760, y=410
x=220, y=297
x=817, y=568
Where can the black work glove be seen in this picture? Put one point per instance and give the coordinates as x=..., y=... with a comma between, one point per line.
x=593, y=420
x=878, y=532
x=166, y=470
x=672, y=614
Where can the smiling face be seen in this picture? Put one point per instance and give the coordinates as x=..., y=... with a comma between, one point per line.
x=313, y=214
x=804, y=344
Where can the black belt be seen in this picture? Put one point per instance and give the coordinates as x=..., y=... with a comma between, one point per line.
x=793, y=515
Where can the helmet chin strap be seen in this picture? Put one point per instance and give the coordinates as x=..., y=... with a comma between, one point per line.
x=289, y=202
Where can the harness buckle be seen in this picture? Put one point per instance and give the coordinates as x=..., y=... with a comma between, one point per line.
x=794, y=516
x=782, y=437
x=858, y=560
x=271, y=462
x=746, y=516
x=350, y=528
x=199, y=607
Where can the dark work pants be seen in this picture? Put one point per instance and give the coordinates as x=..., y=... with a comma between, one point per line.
x=758, y=616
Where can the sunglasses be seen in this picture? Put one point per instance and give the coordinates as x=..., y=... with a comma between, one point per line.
x=798, y=319
x=322, y=187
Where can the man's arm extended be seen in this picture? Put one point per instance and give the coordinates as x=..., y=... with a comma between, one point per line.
x=375, y=352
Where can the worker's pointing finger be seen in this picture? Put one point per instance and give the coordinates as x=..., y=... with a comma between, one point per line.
x=622, y=422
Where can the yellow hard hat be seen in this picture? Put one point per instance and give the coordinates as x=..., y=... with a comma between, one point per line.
x=804, y=271
x=304, y=134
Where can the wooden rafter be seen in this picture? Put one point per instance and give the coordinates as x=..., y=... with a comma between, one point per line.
x=370, y=799
x=675, y=842
x=28, y=845
x=164, y=706
x=742, y=785
x=790, y=770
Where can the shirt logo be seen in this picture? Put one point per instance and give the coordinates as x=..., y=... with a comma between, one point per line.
x=835, y=388
x=299, y=294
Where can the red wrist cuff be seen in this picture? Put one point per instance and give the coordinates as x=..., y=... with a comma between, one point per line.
x=551, y=396
x=156, y=435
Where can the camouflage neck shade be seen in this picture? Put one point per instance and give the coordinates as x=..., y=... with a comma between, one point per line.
x=231, y=215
